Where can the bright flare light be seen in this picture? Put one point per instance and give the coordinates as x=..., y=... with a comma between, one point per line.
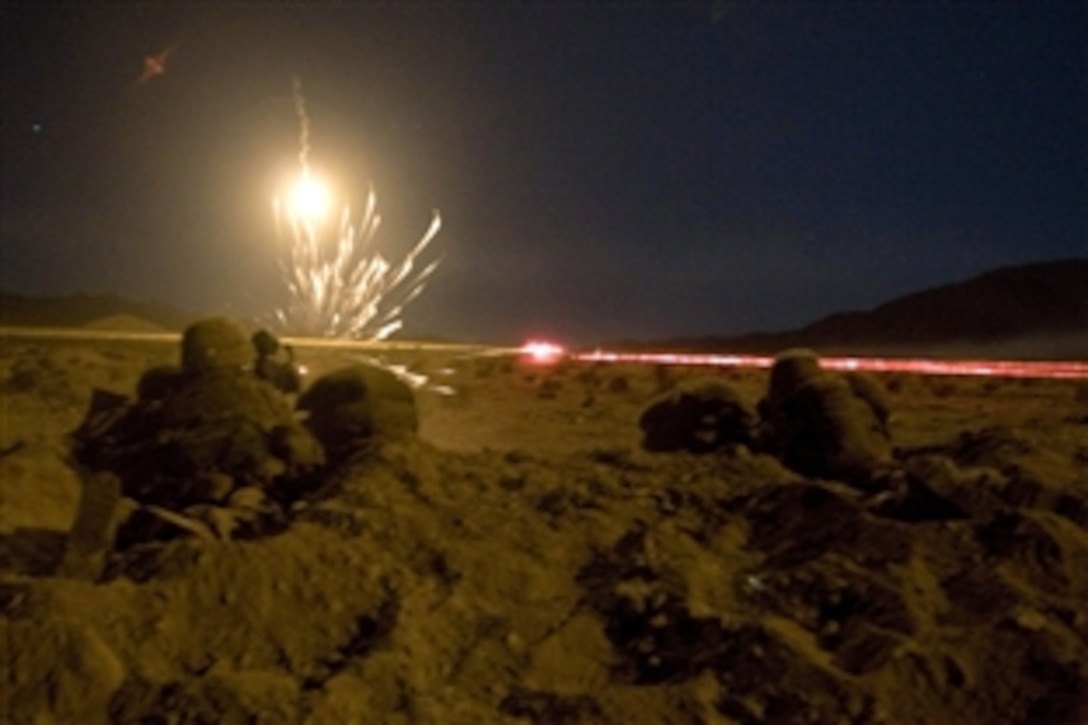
x=310, y=200
x=542, y=352
x=342, y=287
x=345, y=288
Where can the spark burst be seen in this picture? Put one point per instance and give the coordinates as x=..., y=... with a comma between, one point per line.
x=342, y=288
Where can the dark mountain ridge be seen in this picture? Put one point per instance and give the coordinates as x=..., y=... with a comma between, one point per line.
x=1035, y=310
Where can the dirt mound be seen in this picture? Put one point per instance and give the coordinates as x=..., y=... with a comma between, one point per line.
x=439, y=587
x=124, y=323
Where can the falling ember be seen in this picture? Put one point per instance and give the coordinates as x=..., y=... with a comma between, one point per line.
x=342, y=287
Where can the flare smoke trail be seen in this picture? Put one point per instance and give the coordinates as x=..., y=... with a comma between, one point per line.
x=303, y=125
x=344, y=288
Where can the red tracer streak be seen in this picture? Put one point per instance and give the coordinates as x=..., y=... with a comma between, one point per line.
x=997, y=368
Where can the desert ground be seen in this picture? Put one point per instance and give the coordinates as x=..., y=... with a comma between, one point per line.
x=525, y=560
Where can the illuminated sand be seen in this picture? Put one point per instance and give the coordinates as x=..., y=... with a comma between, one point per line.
x=487, y=573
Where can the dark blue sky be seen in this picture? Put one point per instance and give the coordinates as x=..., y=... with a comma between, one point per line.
x=602, y=172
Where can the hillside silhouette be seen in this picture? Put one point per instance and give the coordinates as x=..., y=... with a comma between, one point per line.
x=1035, y=310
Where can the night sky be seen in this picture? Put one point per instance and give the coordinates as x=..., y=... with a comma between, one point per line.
x=602, y=172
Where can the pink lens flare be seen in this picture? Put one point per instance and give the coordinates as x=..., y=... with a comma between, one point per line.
x=542, y=352
x=549, y=353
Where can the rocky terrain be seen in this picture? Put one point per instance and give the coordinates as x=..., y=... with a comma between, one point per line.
x=525, y=558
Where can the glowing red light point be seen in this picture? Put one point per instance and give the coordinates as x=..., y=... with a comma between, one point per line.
x=542, y=352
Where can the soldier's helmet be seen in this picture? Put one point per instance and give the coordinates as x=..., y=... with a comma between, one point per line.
x=792, y=370
x=215, y=344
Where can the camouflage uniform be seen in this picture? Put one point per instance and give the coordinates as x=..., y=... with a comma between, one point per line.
x=199, y=432
x=817, y=424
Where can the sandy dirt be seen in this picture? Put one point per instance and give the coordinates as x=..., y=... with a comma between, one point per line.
x=524, y=560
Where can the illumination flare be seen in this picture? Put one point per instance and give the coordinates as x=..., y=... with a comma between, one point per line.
x=345, y=289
